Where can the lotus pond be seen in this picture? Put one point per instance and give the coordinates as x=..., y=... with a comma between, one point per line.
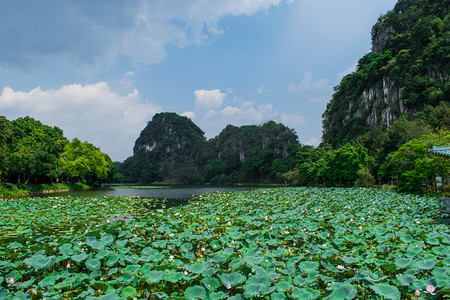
x=280, y=243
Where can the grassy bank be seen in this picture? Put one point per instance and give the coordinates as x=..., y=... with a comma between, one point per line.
x=8, y=190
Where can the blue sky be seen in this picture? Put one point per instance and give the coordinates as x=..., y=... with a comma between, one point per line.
x=100, y=70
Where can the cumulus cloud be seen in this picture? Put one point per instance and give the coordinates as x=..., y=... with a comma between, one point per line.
x=346, y=72
x=90, y=112
x=313, y=142
x=189, y=114
x=208, y=99
x=96, y=32
x=309, y=90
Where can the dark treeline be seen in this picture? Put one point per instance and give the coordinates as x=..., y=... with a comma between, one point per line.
x=173, y=149
x=31, y=152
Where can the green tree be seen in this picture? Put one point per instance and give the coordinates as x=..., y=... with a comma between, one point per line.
x=412, y=168
x=85, y=162
x=345, y=163
x=34, y=150
x=5, y=136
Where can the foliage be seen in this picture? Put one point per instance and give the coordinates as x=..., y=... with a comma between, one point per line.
x=301, y=243
x=413, y=168
x=84, y=161
x=409, y=59
x=172, y=148
x=30, y=153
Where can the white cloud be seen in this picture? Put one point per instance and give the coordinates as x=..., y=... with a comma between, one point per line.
x=189, y=114
x=208, y=99
x=262, y=90
x=346, y=72
x=313, y=142
x=97, y=32
x=91, y=112
x=309, y=90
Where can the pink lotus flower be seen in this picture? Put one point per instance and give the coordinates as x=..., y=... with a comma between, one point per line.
x=171, y=258
x=214, y=246
x=228, y=286
x=185, y=273
x=417, y=293
x=430, y=289
x=68, y=265
x=360, y=227
x=202, y=249
x=266, y=218
x=11, y=280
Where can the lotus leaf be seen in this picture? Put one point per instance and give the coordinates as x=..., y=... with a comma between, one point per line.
x=93, y=264
x=79, y=257
x=195, y=292
x=233, y=279
x=39, y=261
x=402, y=263
x=387, y=291
x=343, y=291
x=305, y=293
x=153, y=276
x=211, y=283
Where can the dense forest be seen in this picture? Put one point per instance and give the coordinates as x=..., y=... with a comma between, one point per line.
x=172, y=149
x=31, y=152
x=406, y=73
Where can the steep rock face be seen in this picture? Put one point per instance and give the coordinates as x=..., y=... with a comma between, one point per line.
x=167, y=145
x=383, y=103
x=407, y=69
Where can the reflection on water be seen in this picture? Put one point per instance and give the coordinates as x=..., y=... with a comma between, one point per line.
x=165, y=192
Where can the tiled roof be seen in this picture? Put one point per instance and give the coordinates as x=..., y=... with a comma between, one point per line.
x=441, y=151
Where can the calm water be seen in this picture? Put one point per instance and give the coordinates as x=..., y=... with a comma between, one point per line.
x=165, y=192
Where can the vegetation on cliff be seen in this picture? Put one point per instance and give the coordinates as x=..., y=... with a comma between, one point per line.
x=407, y=71
x=173, y=149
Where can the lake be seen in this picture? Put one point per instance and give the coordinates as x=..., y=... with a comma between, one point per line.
x=156, y=192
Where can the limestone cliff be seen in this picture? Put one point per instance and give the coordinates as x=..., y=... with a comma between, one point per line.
x=407, y=69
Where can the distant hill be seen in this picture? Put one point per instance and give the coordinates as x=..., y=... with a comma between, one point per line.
x=406, y=71
x=172, y=149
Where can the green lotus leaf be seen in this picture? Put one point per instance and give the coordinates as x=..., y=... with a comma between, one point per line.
x=251, y=260
x=406, y=280
x=132, y=268
x=211, y=283
x=195, y=292
x=49, y=280
x=160, y=244
x=109, y=296
x=128, y=291
x=278, y=296
x=233, y=279
x=172, y=276
x=350, y=260
x=387, y=291
x=283, y=286
x=121, y=243
x=197, y=268
x=446, y=261
x=236, y=297
x=425, y=264
x=93, y=264
x=343, y=291
x=66, y=249
x=414, y=250
x=252, y=290
x=407, y=239
x=96, y=244
x=153, y=276
x=432, y=241
x=107, y=239
x=102, y=254
x=308, y=266
x=402, y=263
x=15, y=245
x=79, y=257
x=112, y=259
x=305, y=293
x=186, y=247
x=260, y=279
x=39, y=261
